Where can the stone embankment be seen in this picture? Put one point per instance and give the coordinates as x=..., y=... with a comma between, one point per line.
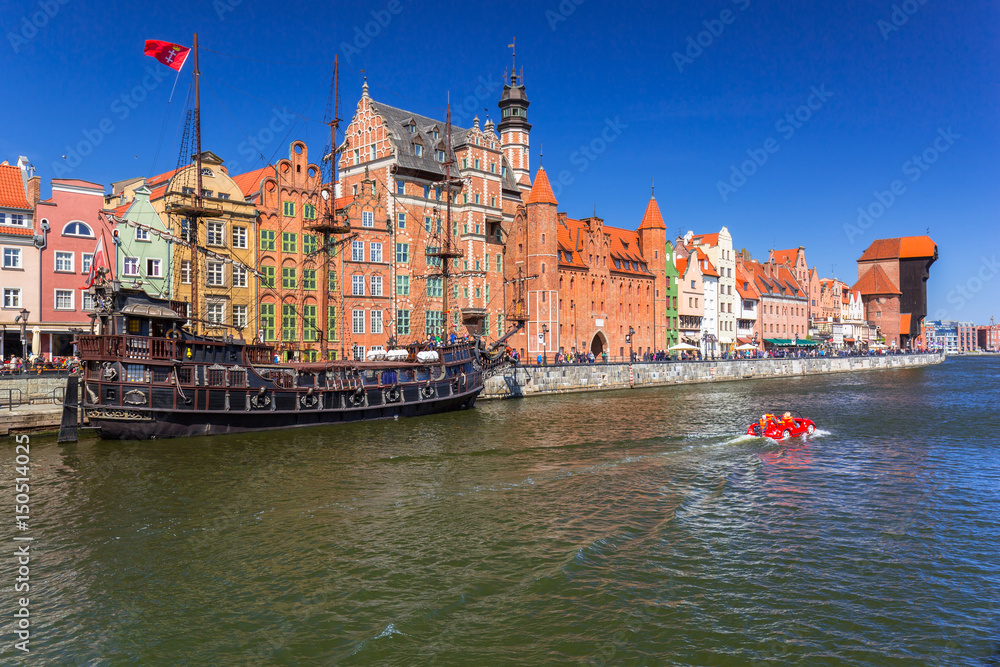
x=564, y=378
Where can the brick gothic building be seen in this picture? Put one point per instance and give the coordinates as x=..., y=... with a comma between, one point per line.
x=590, y=283
x=297, y=312
x=892, y=280
x=579, y=284
x=392, y=171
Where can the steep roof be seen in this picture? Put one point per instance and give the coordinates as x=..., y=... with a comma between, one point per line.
x=541, y=191
x=750, y=291
x=623, y=247
x=789, y=256
x=706, y=239
x=652, y=218
x=397, y=122
x=12, y=192
x=875, y=281
x=249, y=182
x=905, y=247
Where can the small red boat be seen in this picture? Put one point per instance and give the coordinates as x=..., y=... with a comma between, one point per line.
x=780, y=428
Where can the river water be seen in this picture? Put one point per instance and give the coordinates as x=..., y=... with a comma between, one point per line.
x=628, y=527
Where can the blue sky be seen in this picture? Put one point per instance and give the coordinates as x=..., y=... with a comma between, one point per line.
x=779, y=120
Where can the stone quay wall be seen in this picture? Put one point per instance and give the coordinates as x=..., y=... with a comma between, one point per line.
x=565, y=378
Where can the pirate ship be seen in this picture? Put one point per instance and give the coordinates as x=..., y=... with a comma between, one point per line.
x=148, y=370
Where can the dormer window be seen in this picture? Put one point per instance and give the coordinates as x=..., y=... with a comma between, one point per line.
x=418, y=150
x=205, y=171
x=413, y=127
x=440, y=156
x=436, y=134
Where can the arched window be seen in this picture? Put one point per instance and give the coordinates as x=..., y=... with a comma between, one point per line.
x=77, y=228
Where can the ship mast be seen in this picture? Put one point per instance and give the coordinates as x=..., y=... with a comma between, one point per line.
x=193, y=231
x=448, y=252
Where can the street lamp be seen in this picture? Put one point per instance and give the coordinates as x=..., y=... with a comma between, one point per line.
x=628, y=339
x=23, y=319
x=545, y=330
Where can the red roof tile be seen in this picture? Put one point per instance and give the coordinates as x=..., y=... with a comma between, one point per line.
x=875, y=281
x=706, y=239
x=249, y=183
x=652, y=218
x=785, y=256
x=541, y=191
x=906, y=247
x=12, y=194
x=17, y=231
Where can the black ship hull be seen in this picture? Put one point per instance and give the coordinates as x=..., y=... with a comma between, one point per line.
x=139, y=424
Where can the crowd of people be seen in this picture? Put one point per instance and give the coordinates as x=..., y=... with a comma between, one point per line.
x=15, y=365
x=664, y=356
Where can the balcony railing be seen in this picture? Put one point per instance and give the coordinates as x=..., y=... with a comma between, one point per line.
x=127, y=347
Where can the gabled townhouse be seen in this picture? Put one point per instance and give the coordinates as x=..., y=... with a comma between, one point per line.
x=20, y=271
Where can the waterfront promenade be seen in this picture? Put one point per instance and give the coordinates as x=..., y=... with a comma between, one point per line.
x=564, y=378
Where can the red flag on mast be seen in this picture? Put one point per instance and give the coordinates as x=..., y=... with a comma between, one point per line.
x=171, y=55
x=100, y=258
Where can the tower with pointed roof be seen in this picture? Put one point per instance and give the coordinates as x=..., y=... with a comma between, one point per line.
x=542, y=261
x=514, y=127
x=653, y=246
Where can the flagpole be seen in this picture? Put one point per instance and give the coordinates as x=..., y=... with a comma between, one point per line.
x=176, y=79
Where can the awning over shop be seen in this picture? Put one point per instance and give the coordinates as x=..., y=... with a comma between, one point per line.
x=778, y=342
x=801, y=342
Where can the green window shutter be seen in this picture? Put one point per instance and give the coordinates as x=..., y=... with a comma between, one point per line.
x=288, y=321
x=267, y=320
x=309, y=323
x=267, y=276
x=309, y=279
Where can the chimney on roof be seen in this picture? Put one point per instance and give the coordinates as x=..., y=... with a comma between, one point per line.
x=34, y=189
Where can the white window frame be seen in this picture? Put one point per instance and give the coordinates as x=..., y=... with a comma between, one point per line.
x=154, y=267
x=87, y=302
x=239, y=236
x=367, y=218
x=11, y=297
x=357, y=285
x=220, y=307
x=142, y=234
x=376, y=288
x=357, y=321
x=68, y=293
x=375, y=252
x=240, y=316
x=239, y=276
x=215, y=234
x=64, y=256
x=86, y=259
x=215, y=274
x=134, y=261
x=376, y=321
x=357, y=251
x=16, y=254
x=185, y=272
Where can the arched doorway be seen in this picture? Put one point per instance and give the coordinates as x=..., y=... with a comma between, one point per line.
x=598, y=344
